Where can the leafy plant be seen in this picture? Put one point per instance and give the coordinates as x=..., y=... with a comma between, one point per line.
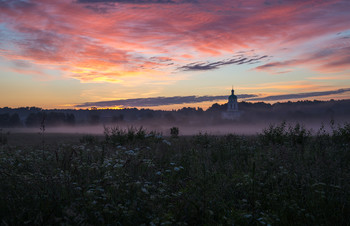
x=174, y=132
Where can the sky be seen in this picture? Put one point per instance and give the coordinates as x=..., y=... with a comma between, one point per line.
x=169, y=54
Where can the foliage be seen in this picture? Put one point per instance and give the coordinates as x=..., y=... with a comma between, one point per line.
x=7, y=120
x=118, y=135
x=283, y=176
x=341, y=134
x=280, y=134
x=174, y=132
x=51, y=119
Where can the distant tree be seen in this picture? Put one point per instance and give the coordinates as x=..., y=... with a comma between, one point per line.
x=15, y=121
x=70, y=119
x=5, y=120
x=169, y=117
x=34, y=119
x=94, y=119
x=118, y=118
x=217, y=107
x=31, y=120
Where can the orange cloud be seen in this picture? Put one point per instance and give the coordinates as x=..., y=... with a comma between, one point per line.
x=97, y=42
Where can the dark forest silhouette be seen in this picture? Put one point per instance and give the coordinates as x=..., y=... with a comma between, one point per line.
x=310, y=111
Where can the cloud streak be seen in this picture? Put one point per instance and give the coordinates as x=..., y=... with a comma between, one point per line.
x=300, y=95
x=238, y=60
x=158, y=101
x=163, y=101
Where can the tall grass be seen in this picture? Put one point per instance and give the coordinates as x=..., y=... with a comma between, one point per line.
x=283, y=176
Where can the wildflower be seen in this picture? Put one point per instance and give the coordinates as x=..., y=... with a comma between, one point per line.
x=144, y=190
x=166, y=142
x=130, y=152
x=176, y=168
x=173, y=164
x=118, y=165
x=158, y=173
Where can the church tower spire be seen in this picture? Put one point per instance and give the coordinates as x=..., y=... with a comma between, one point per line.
x=232, y=104
x=232, y=107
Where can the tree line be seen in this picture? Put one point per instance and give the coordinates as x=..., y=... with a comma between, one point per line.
x=35, y=119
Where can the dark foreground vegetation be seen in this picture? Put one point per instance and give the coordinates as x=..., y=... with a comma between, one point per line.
x=283, y=176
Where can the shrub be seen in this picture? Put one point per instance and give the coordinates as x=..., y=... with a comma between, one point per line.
x=274, y=134
x=341, y=134
x=279, y=134
x=117, y=135
x=174, y=132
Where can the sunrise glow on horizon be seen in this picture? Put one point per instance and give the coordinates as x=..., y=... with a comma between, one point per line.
x=168, y=54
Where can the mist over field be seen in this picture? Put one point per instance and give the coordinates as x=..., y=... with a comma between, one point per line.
x=254, y=118
x=239, y=129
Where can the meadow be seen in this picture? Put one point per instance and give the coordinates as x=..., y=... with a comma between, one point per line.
x=284, y=175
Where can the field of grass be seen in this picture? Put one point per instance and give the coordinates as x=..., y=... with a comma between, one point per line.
x=282, y=176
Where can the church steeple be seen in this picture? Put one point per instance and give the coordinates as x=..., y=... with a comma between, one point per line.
x=232, y=104
x=232, y=112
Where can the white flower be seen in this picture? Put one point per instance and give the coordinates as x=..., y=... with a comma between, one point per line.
x=130, y=152
x=166, y=142
x=176, y=168
x=118, y=165
x=158, y=173
x=144, y=190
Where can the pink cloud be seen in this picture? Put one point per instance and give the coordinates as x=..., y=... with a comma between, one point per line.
x=103, y=42
x=329, y=59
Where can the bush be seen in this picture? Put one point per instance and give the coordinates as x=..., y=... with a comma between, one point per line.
x=174, y=132
x=341, y=134
x=117, y=135
x=279, y=134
